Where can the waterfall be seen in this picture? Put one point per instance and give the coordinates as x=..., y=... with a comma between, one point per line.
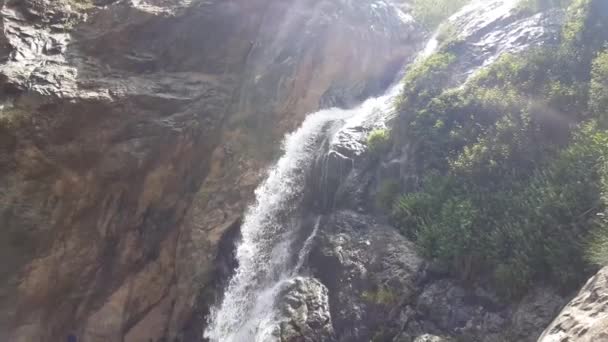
x=270, y=229
x=265, y=261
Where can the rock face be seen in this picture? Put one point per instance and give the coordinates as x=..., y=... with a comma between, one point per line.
x=369, y=270
x=305, y=307
x=447, y=308
x=585, y=318
x=379, y=289
x=497, y=28
x=132, y=134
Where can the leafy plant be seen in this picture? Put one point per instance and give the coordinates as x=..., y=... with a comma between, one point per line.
x=387, y=192
x=598, y=97
x=378, y=141
x=509, y=169
x=426, y=79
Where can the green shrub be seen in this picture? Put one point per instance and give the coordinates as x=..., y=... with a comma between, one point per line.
x=509, y=167
x=426, y=79
x=597, y=246
x=378, y=141
x=387, y=192
x=598, y=97
x=520, y=227
x=575, y=24
x=430, y=13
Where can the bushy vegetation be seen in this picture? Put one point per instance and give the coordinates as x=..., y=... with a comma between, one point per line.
x=598, y=95
x=378, y=141
x=597, y=249
x=510, y=169
x=426, y=79
x=431, y=13
x=387, y=193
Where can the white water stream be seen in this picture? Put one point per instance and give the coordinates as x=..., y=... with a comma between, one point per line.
x=265, y=256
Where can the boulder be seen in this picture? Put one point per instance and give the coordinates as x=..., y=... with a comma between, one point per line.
x=304, y=307
x=585, y=318
x=370, y=271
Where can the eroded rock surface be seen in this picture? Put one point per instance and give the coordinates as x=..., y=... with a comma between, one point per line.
x=305, y=308
x=585, y=318
x=487, y=32
x=370, y=271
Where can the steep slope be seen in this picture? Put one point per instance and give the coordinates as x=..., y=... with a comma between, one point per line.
x=116, y=115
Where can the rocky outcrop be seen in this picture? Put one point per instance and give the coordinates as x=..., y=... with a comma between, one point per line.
x=379, y=289
x=370, y=271
x=305, y=308
x=448, y=308
x=487, y=32
x=585, y=318
x=116, y=116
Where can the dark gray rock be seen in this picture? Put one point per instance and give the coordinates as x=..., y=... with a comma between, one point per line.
x=370, y=271
x=537, y=308
x=456, y=310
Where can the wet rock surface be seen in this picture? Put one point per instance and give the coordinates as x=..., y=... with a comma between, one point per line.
x=485, y=33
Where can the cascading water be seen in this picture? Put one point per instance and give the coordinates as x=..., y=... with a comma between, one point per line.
x=271, y=226
x=264, y=256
